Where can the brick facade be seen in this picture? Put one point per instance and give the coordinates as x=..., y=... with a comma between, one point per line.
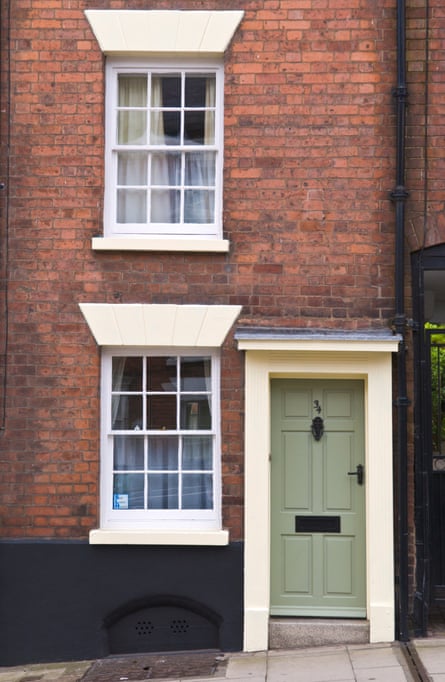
x=425, y=145
x=309, y=139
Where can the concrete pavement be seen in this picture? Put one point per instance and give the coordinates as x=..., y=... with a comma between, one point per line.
x=431, y=652
x=346, y=663
x=340, y=664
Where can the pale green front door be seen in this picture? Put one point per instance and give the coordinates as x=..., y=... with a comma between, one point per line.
x=318, y=499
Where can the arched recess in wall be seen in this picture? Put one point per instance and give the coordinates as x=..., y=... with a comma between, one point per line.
x=162, y=623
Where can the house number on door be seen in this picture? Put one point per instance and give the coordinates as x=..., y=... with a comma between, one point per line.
x=317, y=426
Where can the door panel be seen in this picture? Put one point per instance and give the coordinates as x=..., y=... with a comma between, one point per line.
x=338, y=486
x=321, y=572
x=296, y=471
x=297, y=564
x=338, y=557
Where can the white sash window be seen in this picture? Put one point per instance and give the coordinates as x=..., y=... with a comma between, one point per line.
x=163, y=151
x=160, y=443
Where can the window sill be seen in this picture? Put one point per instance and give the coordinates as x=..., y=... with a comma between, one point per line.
x=159, y=244
x=159, y=537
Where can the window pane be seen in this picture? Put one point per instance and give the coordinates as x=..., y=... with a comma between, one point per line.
x=161, y=412
x=165, y=127
x=128, y=491
x=195, y=374
x=165, y=206
x=200, y=91
x=132, y=168
x=163, y=453
x=172, y=127
x=166, y=90
x=132, y=127
x=166, y=169
x=199, y=206
x=200, y=169
x=131, y=206
x=197, y=491
x=195, y=128
x=128, y=453
x=197, y=452
x=127, y=374
x=161, y=374
x=163, y=491
x=195, y=412
x=132, y=90
x=126, y=412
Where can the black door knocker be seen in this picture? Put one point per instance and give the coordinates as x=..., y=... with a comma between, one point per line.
x=317, y=427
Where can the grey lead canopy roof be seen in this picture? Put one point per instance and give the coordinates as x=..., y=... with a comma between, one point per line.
x=296, y=333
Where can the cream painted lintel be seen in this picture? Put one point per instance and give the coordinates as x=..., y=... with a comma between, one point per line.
x=164, y=32
x=155, y=325
x=158, y=537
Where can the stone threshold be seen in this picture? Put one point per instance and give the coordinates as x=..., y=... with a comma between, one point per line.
x=294, y=633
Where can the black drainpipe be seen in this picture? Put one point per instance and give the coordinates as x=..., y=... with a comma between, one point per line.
x=399, y=196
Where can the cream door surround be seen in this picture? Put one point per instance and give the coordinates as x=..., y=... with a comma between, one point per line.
x=295, y=354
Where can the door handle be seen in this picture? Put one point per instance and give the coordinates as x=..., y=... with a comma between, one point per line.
x=359, y=472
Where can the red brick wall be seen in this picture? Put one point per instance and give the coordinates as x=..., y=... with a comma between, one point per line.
x=4, y=136
x=309, y=162
x=425, y=146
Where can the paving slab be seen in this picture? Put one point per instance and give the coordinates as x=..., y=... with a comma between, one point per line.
x=243, y=678
x=247, y=666
x=46, y=672
x=432, y=654
x=312, y=667
x=383, y=674
x=374, y=657
x=307, y=651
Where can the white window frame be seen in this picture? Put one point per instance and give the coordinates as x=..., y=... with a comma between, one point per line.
x=167, y=231
x=157, y=520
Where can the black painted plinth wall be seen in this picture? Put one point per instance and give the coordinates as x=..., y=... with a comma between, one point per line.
x=72, y=601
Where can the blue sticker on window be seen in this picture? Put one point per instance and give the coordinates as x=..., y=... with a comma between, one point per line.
x=120, y=501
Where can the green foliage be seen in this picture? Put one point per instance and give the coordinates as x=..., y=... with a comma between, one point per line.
x=437, y=359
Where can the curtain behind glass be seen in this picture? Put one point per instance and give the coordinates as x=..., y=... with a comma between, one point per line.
x=132, y=165
x=165, y=167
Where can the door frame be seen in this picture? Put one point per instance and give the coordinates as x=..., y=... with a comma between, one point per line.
x=274, y=353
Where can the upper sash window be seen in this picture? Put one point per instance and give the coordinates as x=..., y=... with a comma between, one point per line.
x=163, y=152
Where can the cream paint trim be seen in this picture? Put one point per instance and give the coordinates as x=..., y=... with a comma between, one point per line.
x=163, y=31
x=160, y=537
x=159, y=244
x=192, y=326
x=375, y=369
x=367, y=345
